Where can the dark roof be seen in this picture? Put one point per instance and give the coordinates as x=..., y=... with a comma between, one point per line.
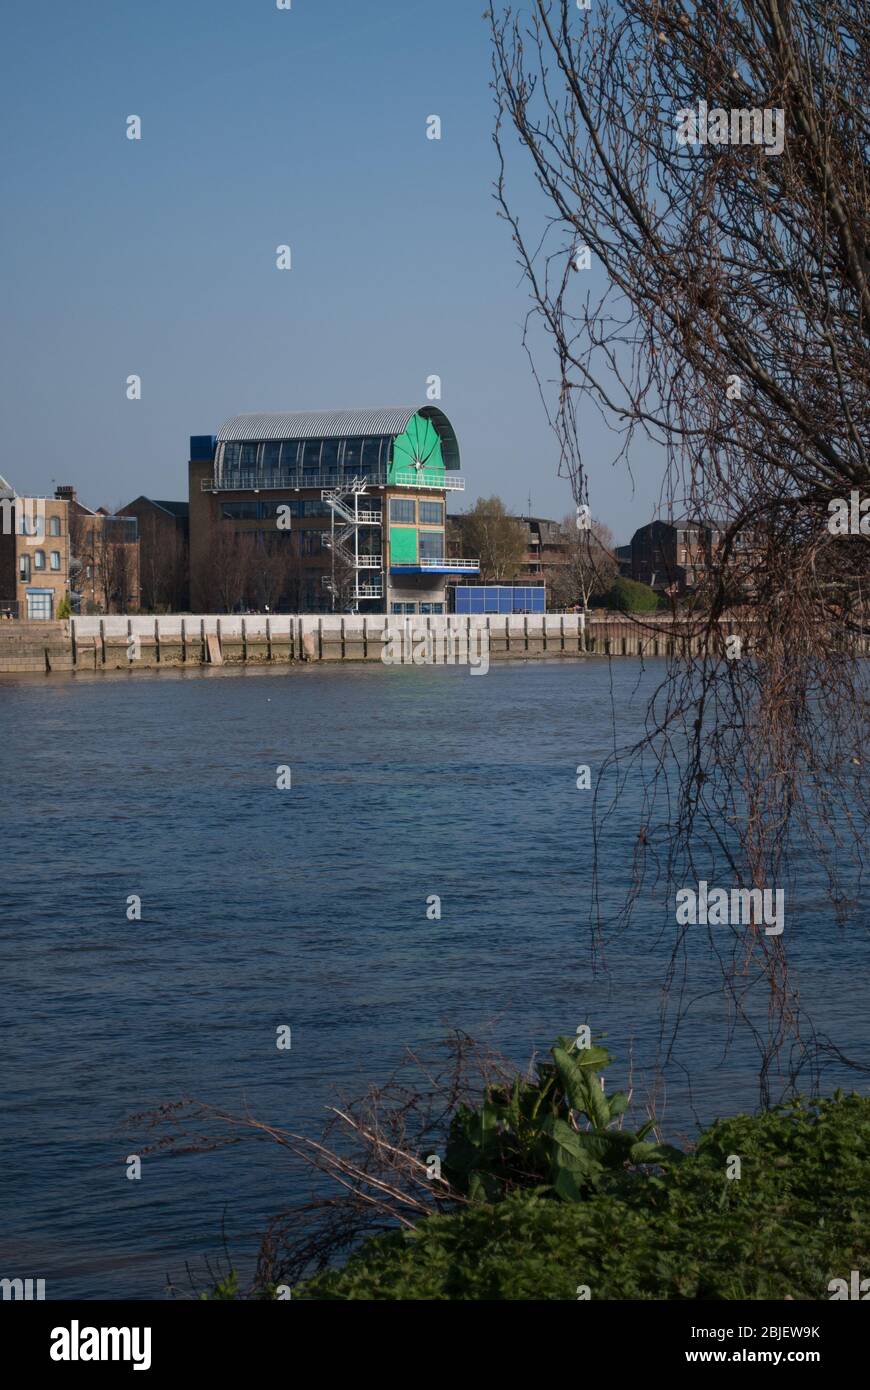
x=180, y=510
x=693, y=520
x=176, y=508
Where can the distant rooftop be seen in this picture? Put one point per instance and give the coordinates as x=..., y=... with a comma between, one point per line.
x=176, y=508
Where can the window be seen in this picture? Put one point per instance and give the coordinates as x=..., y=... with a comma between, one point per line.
x=374, y=458
x=329, y=460
x=271, y=457
x=404, y=608
x=39, y=559
x=431, y=513
x=352, y=457
x=39, y=603
x=290, y=451
x=431, y=607
x=299, y=507
x=55, y=559
x=311, y=456
x=239, y=511
x=431, y=545
x=24, y=567
x=402, y=509
x=54, y=526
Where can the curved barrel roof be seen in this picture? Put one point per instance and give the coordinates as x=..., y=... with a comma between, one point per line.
x=338, y=424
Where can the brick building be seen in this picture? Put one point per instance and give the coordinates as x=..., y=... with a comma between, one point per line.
x=546, y=547
x=34, y=555
x=676, y=556
x=164, y=553
x=104, y=557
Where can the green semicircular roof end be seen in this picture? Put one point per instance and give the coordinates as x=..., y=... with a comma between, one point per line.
x=418, y=448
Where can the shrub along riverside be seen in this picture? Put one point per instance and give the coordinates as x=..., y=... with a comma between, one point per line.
x=555, y=1199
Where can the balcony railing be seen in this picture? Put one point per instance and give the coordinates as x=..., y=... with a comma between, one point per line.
x=446, y=562
x=414, y=477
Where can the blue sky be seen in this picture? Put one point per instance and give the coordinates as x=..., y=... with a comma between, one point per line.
x=157, y=257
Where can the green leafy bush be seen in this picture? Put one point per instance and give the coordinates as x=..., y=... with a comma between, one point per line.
x=551, y=1132
x=629, y=596
x=797, y=1217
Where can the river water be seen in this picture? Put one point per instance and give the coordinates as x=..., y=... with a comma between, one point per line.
x=307, y=907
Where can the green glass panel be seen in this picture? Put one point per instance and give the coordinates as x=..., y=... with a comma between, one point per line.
x=418, y=451
x=403, y=545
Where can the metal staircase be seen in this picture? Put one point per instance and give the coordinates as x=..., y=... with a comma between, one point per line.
x=343, y=538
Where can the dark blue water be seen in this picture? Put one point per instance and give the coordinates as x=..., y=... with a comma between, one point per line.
x=307, y=907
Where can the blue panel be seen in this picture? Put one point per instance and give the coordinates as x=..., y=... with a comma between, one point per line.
x=500, y=598
x=202, y=448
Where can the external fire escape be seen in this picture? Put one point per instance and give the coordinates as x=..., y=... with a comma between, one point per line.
x=344, y=536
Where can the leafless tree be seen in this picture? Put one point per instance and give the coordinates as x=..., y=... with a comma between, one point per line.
x=295, y=577
x=162, y=566
x=494, y=537
x=270, y=563
x=712, y=299
x=228, y=570
x=111, y=561
x=589, y=563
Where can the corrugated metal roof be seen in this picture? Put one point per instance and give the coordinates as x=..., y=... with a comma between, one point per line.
x=339, y=424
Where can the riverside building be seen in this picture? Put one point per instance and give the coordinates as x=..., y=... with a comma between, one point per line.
x=34, y=555
x=347, y=511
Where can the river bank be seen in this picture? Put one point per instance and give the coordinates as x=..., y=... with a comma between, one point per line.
x=120, y=642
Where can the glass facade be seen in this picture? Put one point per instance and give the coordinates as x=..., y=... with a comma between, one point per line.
x=261, y=509
x=278, y=463
x=500, y=598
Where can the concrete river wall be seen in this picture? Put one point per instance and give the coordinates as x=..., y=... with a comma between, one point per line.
x=120, y=642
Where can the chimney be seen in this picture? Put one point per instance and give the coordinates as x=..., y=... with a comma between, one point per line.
x=66, y=493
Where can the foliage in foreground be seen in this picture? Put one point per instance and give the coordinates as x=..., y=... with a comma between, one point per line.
x=554, y=1131
x=797, y=1217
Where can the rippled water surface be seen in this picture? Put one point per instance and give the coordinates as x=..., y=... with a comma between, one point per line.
x=308, y=907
